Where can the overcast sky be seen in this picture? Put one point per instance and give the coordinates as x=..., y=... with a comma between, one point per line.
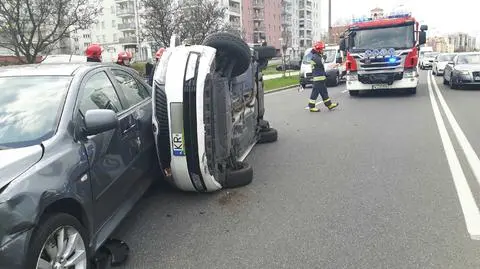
x=460, y=15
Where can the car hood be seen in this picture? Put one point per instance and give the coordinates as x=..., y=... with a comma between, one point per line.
x=468, y=67
x=442, y=64
x=13, y=162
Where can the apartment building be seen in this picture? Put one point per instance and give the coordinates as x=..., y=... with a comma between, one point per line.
x=310, y=26
x=462, y=42
x=262, y=22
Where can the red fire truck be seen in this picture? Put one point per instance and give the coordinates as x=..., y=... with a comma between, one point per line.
x=383, y=53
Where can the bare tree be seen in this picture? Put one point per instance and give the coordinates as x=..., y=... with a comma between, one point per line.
x=163, y=18
x=30, y=28
x=201, y=18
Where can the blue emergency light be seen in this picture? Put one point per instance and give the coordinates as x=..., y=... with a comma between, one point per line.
x=392, y=60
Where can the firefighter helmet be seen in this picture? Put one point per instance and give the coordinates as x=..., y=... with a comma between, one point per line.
x=319, y=46
x=94, y=51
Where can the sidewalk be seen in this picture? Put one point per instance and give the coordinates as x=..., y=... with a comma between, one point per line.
x=274, y=76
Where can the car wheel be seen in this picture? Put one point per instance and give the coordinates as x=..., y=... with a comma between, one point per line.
x=453, y=85
x=263, y=124
x=354, y=93
x=267, y=52
x=230, y=49
x=51, y=234
x=238, y=176
x=268, y=135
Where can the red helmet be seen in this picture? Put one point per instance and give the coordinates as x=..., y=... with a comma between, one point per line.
x=122, y=56
x=94, y=51
x=319, y=46
x=159, y=53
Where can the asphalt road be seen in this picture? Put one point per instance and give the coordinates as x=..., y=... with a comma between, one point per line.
x=366, y=186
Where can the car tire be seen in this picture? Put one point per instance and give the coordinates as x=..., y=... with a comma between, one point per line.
x=267, y=52
x=268, y=135
x=354, y=93
x=231, y=47
x=239, y=176
x=452, y=84
x=263, y=124
x=49, y=225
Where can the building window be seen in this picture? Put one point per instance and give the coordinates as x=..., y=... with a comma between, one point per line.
x=115, y=38
x=113, y=23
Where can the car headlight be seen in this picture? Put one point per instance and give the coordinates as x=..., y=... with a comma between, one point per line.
x=463, y=72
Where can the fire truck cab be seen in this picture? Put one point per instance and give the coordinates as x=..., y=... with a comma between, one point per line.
x=383, y=53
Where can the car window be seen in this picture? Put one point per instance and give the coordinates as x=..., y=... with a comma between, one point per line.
x=99, y=93
x=133, y=90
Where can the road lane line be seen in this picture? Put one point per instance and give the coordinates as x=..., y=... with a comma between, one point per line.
x=472, y=157
x=469, y=207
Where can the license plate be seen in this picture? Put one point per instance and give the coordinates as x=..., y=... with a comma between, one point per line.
x=177, y=143
x=380, y=86
x=477, y=78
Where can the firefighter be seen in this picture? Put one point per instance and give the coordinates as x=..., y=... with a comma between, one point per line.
x=94, y=53
x=123, y=59
x=158, y=56
x=319, y=79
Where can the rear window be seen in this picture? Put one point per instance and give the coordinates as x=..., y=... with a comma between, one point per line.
x=30, y=109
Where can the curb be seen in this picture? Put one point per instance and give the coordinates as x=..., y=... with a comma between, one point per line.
x=282, y=89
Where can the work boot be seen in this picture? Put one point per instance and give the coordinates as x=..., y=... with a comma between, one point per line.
x=311, y=106
x=329, y=104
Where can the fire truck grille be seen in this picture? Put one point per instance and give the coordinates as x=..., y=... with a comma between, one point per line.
x=387, y=78
x=380, y=63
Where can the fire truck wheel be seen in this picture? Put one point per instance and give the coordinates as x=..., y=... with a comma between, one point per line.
x=230, y=47
x=354, y=93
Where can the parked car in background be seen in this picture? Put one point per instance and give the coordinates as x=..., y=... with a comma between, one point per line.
x=463, y=70
x=208, y=112
x=426, y=61
x=334, y=62
x=291, y=65
x=441, y=60
x=76, y=153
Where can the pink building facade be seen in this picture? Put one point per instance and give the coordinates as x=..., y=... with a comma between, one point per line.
x=262, y=21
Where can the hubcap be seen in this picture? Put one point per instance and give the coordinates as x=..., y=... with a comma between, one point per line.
x=63, y=249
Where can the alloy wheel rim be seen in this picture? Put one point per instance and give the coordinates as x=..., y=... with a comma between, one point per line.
x=63, y=249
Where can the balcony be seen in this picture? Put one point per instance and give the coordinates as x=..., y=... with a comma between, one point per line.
x=259, y=28
x=234, y=9
x=258, y=4
x=128, y=40
x=125, y=12
x=258, y=17
x=126, y=26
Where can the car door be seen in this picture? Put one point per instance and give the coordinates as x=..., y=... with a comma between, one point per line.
x=139, y=106
x=109, y=153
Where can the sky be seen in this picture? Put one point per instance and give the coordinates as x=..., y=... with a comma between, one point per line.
x=440, y=18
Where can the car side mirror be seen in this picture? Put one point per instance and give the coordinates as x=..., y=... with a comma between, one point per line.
x=324, y=57
x=342, y=45
x=100, y=120
x=422, y=38
x=339, y=60
x=424, y=27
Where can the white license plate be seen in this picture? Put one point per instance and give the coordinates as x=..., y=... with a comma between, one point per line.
x=380, y=86
x=177, y=143
x=477, y=78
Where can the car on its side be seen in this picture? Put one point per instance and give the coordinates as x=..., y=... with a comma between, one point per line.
x=76, y=154
x=463, y=70
x=208, y=112
x=440, y=62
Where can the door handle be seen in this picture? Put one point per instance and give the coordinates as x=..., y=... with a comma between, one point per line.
x=129, y=128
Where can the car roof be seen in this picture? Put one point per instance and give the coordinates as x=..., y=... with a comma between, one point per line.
x=53, y=69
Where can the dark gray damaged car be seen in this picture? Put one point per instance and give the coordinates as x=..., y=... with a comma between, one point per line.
x=76, y=150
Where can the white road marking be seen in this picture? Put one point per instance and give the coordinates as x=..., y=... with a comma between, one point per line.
x=472, y=157
x=470, y=209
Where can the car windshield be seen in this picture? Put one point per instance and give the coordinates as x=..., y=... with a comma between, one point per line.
x=430, y=54
x=330, y=55
x=469, y=59
x=445, y=57
x=398, y=37
x=30, y=108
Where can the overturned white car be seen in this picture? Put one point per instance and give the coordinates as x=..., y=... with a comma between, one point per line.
x=208, y=112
